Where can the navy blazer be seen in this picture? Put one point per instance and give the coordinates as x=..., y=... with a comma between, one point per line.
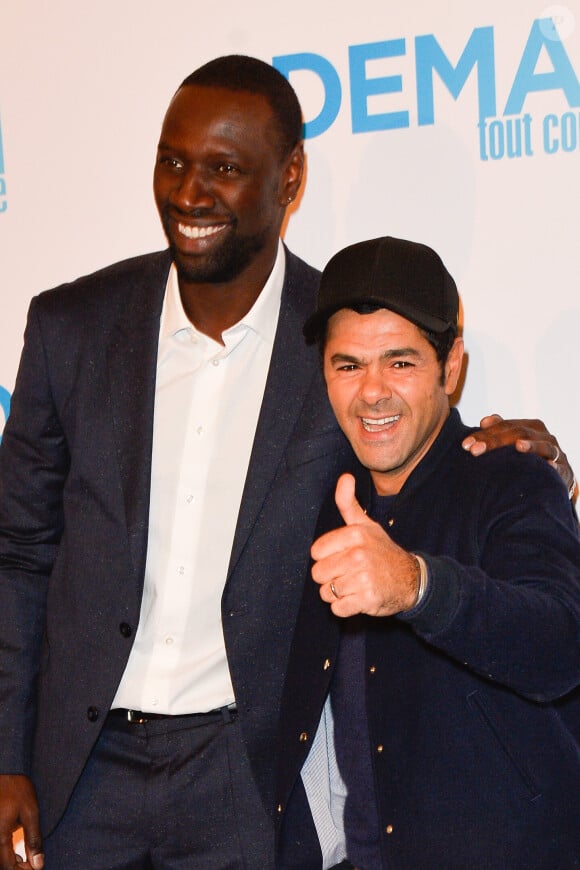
x=473, y=710
x=75, y=465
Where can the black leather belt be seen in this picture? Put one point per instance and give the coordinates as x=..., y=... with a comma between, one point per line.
x=139, y=717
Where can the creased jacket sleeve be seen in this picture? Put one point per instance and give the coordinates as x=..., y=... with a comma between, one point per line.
x=34, y=460
x=514, y=619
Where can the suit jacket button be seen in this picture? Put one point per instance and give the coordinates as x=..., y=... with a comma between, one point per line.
x=92, y=714
x=125, y=629
x=303, y=737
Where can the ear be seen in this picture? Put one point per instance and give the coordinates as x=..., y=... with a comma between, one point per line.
x=292, y=176
x=453, y=366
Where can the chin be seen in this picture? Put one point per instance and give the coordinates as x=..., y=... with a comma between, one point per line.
x=377, y=462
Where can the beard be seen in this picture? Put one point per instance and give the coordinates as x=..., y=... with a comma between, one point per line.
x=219, y=266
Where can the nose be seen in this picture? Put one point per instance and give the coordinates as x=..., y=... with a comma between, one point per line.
x=192, y=191
x=374, y=386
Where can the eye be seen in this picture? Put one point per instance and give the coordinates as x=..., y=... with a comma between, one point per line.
x=228, y=169
x=402, y=364
x=171, y=163
x=347, y=367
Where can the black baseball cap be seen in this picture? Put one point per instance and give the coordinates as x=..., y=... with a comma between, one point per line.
x=405, y=277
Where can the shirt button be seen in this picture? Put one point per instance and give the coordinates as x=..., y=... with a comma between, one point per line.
x=181, y=570
x=168, y=641
x=154, y=702
x=215, y=362
x=199, y=430
x=189, y=499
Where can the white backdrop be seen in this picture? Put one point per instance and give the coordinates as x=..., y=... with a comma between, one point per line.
x=491, y=179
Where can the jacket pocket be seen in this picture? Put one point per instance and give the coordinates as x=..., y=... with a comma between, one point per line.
x=508, y=743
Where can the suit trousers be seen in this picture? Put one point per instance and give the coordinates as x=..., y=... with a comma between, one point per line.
x=171, y=794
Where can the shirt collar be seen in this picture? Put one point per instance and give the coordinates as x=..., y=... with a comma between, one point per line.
x=262, y=318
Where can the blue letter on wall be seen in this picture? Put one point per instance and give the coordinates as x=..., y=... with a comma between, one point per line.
x=429, y=56
x=289, y=63
x=1, y=153
x=563, y=77
x=361, y=88
x=3, y=203
x=4, y=403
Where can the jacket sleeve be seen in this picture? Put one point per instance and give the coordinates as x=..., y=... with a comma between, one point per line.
x=513, y=615
x=34, y=460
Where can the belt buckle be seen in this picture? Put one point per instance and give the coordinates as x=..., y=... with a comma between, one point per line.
x=136, y=717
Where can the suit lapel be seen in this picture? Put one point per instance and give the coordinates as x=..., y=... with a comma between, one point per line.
x=287, y=384
x=132, y=362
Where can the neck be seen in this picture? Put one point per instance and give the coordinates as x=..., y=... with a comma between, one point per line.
x=392, y=481
x=213, y=308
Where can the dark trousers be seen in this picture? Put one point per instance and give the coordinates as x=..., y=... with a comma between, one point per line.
x=170, y=794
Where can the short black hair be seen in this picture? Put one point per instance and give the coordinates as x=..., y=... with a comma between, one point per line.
x=441, y=342
x=239, y=72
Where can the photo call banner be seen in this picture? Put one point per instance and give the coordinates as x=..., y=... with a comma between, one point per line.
x=456, y=124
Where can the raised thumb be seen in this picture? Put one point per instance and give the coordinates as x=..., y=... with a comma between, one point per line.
x=346, y=501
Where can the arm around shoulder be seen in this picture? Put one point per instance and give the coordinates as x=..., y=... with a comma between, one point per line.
x=510, y=609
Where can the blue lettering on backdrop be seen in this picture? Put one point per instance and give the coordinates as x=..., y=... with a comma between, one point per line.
x=361, y=87
x=498, y=137
x=561, y=132
x=3, y=203
x=4, y=404
x=429, y=56
x=526, y=81
x=288, y=63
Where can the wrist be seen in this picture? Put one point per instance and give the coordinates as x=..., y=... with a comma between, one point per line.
x=423, y=579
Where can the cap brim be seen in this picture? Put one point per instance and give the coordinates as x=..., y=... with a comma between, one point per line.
x=316, y=324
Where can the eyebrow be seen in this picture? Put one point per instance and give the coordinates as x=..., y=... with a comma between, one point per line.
x=387, y=355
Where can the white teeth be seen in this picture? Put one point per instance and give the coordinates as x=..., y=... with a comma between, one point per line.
x=370, y=424
x=198, y=232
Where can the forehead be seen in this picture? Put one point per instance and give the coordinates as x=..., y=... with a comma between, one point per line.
x=379, y=331
x=231, y=114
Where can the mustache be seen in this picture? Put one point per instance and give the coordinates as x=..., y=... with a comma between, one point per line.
x=170, y=213
x=384, y=407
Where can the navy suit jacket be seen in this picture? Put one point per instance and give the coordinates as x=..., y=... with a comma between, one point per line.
x=472, y=700
x=75, y=468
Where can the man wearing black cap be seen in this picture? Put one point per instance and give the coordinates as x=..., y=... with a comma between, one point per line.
x=168, y=448
x=431, y=710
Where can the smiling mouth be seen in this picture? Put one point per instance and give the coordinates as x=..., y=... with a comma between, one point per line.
x=371, y=425
x=199, y=232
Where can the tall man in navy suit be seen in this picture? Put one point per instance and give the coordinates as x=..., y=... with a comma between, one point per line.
x=161, y=472
x=435, y=666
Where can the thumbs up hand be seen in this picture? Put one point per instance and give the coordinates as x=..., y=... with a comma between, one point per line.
x=359, y=567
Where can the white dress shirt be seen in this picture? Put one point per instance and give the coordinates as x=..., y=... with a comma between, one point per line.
x=207, y=402
x=326, y=790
